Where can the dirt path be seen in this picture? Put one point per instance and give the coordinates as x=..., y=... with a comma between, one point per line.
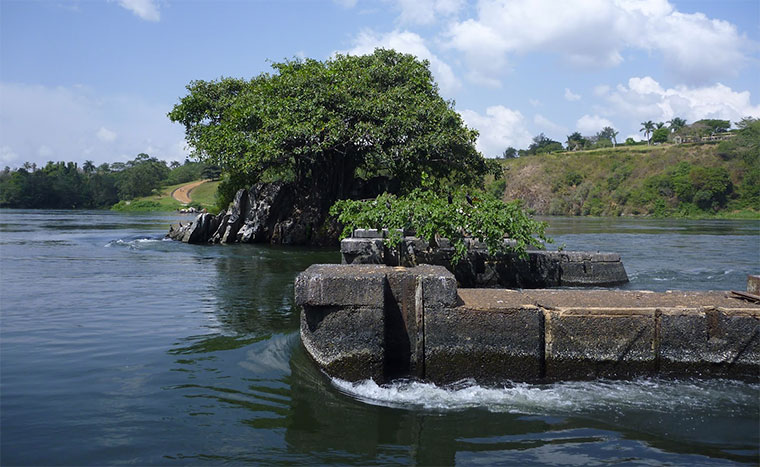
x=182, y=194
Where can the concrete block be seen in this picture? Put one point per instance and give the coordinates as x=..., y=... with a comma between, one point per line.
x=439, y=286
x=341, y=285
x=369, y=233
x=362, y=251
x=605, y=257
x=590, y=273
x=586, y=343
x=710, y=342
x=348, y=343
x=488, y=345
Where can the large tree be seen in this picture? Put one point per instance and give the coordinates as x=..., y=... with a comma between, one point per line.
x=325, y=124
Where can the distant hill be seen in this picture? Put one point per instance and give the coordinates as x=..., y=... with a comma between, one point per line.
x=670, y=180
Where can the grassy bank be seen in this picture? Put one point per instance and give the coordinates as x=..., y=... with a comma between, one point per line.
x=202, y=197
x=690, y=180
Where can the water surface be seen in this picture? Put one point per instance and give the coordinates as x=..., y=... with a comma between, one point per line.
x=117, y=346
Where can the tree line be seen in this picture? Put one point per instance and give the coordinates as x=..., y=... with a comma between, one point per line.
x=654, y=132
x=66, y=185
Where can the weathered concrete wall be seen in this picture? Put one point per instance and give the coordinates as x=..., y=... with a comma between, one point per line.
x=480, y=269
x=383, y=322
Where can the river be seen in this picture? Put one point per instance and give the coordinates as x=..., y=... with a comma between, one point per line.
x=118, y=347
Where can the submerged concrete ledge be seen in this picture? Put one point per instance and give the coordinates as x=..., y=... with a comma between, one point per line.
x=383, y=322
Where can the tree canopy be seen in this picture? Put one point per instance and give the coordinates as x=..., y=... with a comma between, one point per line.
x=323, y=124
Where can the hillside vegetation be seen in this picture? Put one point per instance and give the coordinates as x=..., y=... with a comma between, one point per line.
x=203, y=197
x=691, y=180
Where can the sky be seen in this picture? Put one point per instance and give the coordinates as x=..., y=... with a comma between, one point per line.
x=93, y=80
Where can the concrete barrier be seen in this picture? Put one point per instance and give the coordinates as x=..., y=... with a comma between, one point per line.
x=479, y=268
x=383, y=322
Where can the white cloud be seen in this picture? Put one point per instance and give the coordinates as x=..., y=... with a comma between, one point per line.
x=40, y=123
x=8, y=155
x=411, y=43
x=499, y=128
x=548, y=126
x=592, y=124
x=106, y=135
x=571, y=96
x=44, y=151
x=601, y=90
x=145, y=9
x=645, y=99
x=694, y=47
x=427, y=11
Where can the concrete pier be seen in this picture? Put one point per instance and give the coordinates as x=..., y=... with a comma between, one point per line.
x=383, y=322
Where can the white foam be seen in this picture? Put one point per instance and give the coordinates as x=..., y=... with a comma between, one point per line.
x=132, y=243
x=566, y=397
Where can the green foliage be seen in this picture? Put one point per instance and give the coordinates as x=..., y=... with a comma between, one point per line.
x=429, y=215
x=573, y=178
x=141, y=176
x=542, y=145
x=707, y=188
x=607, y=137
x=137, y=205
x=187, y=172
x=744, y=145
x=63, y=185
x=509, y=153
x=714, y=125
x=576, y=141
x=676, y=124
x=647, y=127
x=58, y=185
x=322, y=123
x=497, y=187
x=660, y=135
x=666, y=180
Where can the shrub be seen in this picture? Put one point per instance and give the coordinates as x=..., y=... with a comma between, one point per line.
x=455, y=216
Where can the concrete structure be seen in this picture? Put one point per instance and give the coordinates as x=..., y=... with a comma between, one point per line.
x=383, y=322
x=480, y=269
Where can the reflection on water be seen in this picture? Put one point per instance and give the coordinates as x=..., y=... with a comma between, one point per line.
x=119, y=347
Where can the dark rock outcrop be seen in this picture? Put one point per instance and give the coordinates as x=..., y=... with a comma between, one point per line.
x=266, y=213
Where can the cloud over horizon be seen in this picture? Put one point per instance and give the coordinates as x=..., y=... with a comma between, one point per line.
x=78, y=124
x=694, y=48
x=144, y=9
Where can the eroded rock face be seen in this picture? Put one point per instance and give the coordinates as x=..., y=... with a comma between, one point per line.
x=265, y=213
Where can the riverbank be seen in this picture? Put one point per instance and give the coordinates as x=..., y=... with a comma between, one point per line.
x=198, y=193
x=670, y=181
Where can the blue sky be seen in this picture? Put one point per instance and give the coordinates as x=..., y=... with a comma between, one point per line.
x=93, y=80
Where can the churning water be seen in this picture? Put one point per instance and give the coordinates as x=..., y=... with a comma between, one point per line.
x=117, y=346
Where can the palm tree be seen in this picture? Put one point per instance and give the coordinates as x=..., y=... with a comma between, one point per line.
x=647, y=128
x=676, y=124
x=660, y=125
x=88, y=167
x=614, y=137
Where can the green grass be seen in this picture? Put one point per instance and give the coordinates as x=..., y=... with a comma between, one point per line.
x=162, y=201
x=205, y=194
x=618, y=181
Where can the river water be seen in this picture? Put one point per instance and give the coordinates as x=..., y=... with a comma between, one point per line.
x=117, y=347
